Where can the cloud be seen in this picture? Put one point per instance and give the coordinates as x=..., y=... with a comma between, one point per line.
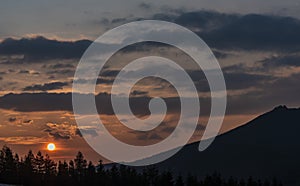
x=267, y=94
x=23, y=140
x=288, y=60
x=100, y=80
x=145, y=6
x=27, y=102
x=256, y=32
x=59, y=66
x=40, y=48
x=61, y=131
x=12, y=119
x=234, y=31
x=58, y=136
x=218, y=30
x=118, y=20
x=205, y=20
x=238, y=81
x=235, y=76
x=149, y=136
x=24, y=72
x=46, y=86
x=67, y=72
x=138, y=93
x=29, y=121
x=91, y=132
x=31, y=102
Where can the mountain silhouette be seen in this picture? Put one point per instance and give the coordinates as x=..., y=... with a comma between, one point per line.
x=264, y=148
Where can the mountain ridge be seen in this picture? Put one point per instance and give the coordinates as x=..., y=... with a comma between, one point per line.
x=264, y=148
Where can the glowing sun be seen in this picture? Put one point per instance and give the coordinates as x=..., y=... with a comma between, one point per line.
x=51, y=147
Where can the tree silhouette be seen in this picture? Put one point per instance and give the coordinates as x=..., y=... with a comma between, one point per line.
x=50, y=166
x=39, y=161
x=179, y=181
x=36, y=170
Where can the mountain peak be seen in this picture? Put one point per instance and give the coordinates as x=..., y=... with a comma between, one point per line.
x=281, y=107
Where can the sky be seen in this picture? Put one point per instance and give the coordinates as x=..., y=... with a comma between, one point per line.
x=256, y=43
x=75, y=19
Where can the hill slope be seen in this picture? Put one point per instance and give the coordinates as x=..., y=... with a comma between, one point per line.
x=266, y=147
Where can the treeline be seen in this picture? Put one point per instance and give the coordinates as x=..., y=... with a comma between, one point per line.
x=41, y=170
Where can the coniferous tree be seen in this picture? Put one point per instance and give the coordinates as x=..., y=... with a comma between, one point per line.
x=166, y=179
x=100, y=173
x=63, y=169
x=72, y=168
x=90, y=174
x=80, y=164
x=39, y=162
x=191, y=180
x=42, y=170
x=114, y=175
x=50, y=166
x=9, y=167
x=179, y=181
x=28, y=169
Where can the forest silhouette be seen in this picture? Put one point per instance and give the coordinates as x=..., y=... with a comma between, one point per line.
x=39, y=169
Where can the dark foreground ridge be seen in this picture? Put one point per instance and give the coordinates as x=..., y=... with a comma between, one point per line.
x=266, y=147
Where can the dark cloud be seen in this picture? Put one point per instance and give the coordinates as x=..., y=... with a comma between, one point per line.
x=40, y=48
x=66, y=72
x=60, y=65
x=268, y=94
x=78, y=133
x=138, y=93
x=155, y=136
x=12, y=119
x=11, y=70
x=247, y=32
x=27, y=102
x=220, y=54
x=29, y=121
x=219, y=30
x=46, y=86
x=200, y=127
x=149, y=136
x=236, y=78
x=239, y=81
x=164, y=17
x=205, y=20
x=48, y=130
x=60, y=131
x=118, y=20
x=289, y=60
x=30, y=102
x=106, y=81
x=104, y=21
x=24, y=72
x=256, y=32
x=110, y=73
x=90, y=132
x=168, y=129
x=282, y=91
x=145, y=6
x=58, y=136
x=173, y=11
x=100, y=80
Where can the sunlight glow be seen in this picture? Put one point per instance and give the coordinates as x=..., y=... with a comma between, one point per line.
x=51, y=147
